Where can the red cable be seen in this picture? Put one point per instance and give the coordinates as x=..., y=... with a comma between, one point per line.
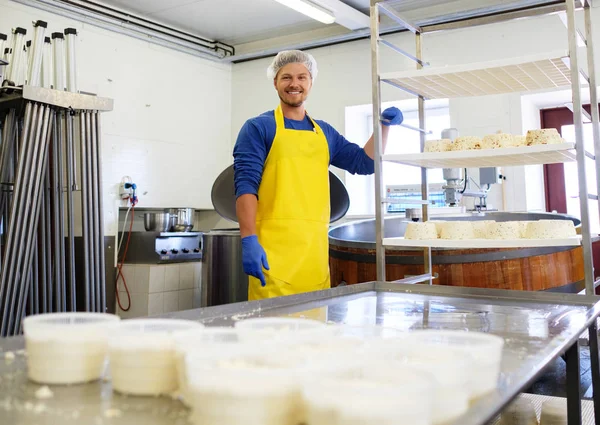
x=120, y=266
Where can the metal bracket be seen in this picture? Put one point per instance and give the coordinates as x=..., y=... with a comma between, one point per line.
x=402, y=52
x=399, y=18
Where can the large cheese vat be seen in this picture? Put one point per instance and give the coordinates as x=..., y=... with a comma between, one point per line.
x=352, y=258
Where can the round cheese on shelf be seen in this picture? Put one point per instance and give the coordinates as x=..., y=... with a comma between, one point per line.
x=519, y=141
x=519, y=412
x=439, y=224
x=480, y=228
x=554, y=412
x=550, y=229
x=495, y=141
x=442, y=145
x=466, y=143
x=504, y=230
x=425, y=230
x=457, y=230
x=523, y=227
x=545, y=136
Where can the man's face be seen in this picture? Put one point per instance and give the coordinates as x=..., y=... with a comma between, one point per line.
x=293, y=83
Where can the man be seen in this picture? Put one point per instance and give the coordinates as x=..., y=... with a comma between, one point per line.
x=281, y=163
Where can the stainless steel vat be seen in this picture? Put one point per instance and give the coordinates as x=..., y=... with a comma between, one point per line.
x=223, y=277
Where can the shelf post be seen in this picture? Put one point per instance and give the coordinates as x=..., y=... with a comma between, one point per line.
x=593, y=91
x=580, y=149
x=424, y=182
x=376, y=93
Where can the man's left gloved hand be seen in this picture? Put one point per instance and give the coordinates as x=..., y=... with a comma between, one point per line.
x=392, y=116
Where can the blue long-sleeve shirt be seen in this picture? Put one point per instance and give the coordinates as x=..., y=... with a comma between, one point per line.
x=256, y=138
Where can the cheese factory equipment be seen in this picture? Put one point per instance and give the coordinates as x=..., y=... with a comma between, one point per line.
x=458, y=183
x=352, y=259
x=51, y=148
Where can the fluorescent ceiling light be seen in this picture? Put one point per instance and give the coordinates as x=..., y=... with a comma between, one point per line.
x=310, y=9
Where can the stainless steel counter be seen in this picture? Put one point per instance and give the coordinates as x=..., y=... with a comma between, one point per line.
x=537, y=328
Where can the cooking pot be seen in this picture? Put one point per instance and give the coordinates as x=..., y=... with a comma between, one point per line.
x=183, y=219
x=158, y=221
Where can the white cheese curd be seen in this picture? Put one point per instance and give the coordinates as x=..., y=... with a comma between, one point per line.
x=457, y=230
x=550, y=229
x=426, y=230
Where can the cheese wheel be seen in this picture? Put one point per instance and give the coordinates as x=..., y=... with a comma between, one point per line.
x=545, y=136
x=504, y=230
x=519, y=141
x=480, y=228
x=467, y=143
x=495, y=141
x=438, y=227
x=425, y=230
x=554, y=412
x=457, y=230
x=550, y=229
x=442, y=145
x=520, y=412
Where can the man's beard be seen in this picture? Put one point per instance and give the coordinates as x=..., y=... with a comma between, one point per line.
x=294, y=105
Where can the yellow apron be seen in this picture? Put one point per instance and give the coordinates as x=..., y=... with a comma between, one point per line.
x=293, y=213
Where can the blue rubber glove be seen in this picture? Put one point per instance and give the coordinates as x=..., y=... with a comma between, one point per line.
x=392, y=116
x=254, y=258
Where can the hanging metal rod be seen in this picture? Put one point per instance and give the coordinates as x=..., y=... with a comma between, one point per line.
x=403, y=52
x=399, y=18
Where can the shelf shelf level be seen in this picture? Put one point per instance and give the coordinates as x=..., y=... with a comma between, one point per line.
x=481, y=243
x=521, y=74
x=527, y=155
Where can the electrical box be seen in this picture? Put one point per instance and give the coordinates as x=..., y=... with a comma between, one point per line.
x=489, y=175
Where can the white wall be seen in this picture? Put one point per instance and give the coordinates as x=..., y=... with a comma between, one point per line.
x=170, y=127
x=345, y=80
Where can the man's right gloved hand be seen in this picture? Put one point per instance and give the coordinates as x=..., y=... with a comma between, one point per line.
x=254, y=258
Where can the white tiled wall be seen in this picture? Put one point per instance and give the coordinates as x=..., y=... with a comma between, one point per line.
x=159, y=288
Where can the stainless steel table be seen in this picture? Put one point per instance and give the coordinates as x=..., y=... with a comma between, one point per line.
x=537, y=327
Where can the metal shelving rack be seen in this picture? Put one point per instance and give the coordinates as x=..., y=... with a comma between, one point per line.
x=570, y=77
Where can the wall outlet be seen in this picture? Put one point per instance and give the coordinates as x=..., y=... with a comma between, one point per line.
x=124, y=193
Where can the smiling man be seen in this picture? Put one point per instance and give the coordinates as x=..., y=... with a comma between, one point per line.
x=281, y=163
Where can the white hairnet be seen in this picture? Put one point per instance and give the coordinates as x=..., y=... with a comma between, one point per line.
x=292, y=56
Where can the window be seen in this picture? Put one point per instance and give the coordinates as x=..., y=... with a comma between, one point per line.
x=359, y=127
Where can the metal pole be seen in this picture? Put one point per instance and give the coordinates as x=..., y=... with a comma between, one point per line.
x=95, y=214
x=29, y=210
x=593, y=92
x=580, y=150
x=84, y=221
x=61, y=208
x=42, y=246
x=48, y=242
x=70, y=211
x=573, y=384
x=35, y=55
x=6, y=275
x=36, y=275
x=91, y=215
x=101, y=210
x=424, y=183
x=44, y=142
x=377, y=138
x=9, y=136
x=56, y=218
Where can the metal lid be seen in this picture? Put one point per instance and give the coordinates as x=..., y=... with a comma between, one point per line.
x=223, y=196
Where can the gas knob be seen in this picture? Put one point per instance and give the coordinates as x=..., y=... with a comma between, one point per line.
x=164, y=252
x=185, y=250
x=174, y=251
x=196, y=249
